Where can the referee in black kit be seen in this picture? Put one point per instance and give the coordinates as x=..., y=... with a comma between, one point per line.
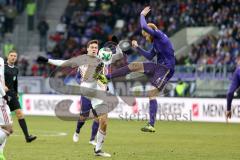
x=11, y=82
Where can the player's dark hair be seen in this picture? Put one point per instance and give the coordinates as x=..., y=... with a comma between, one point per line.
x=12, y=51
x=92, y=42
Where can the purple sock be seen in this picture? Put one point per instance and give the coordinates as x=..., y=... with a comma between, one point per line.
x=119, y=72
x=95, y=126
x=79, y=125
x=230, y=96
x=152, y=111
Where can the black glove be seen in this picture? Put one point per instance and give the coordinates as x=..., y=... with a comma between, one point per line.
x=7, y=98
x=115, y=39
x=42, y=59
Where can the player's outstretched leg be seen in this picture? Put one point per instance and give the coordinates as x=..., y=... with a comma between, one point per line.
x=95, y=127
x=152, y=113
x=101, y=136
x=132, y=67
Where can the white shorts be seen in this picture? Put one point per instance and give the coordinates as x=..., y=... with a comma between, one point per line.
x=5, y=117
x=97, y=86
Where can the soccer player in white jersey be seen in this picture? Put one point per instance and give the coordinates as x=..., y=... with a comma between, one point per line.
x=5, y=119
x=92, y=50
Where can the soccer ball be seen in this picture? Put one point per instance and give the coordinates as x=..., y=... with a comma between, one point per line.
x=105, y=54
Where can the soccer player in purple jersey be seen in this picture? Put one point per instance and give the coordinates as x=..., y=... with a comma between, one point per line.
x=232, y=88
x=160, y=72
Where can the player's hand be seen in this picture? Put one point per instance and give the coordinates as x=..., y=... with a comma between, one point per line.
x=115, y=39
x=42, y=59
x=228, y=115
x=6, y=89
x=145, y=10
x=134, y=43
x=7, y=98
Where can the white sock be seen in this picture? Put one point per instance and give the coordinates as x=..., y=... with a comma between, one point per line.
x=3, y=145
x=3, y=139
x=100, y=139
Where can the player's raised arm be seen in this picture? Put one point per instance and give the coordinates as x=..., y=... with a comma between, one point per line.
x=143, y=21
x=149, y=28
x=73, y=62
x=42, y=59
x=147, y=54
x=56, y=62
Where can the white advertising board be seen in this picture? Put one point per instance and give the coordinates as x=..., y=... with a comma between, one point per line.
x=173, y=109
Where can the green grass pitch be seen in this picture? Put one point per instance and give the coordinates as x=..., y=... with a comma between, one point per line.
x=172, y=141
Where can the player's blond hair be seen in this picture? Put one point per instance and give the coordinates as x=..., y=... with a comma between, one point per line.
x=144, y=33
x=151, y=25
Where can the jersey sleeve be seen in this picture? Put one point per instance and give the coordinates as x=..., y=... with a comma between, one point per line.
x=147, y=54
x=78, y=76
x=16, y=83
x=56, y=62
x=2, y=79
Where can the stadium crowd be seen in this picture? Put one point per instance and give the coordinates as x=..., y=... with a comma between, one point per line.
x=216, y=50
x=87, y=20
x=9, y=9
x=223, y=48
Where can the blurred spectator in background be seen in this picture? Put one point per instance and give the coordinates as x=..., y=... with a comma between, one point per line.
x=181, y=89
x=11, y=14
x=31, y=10
x=20, y=6
x=57, y=37
x=2, y=22
x=61, y=28
x=23, y=64
x=3, y=2
x=7, y=47
x=35, y=69
x=8, y=13
x=43, y=28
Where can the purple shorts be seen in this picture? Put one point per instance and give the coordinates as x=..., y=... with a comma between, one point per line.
x=86, y=106
x=159, y=74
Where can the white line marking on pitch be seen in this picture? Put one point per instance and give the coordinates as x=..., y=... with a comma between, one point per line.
x=44, y=133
